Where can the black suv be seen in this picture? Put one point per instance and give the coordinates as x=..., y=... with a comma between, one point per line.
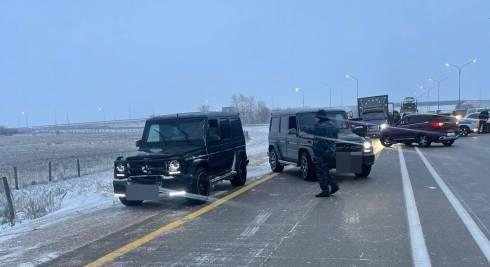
x=290, y=142
x=183, y=155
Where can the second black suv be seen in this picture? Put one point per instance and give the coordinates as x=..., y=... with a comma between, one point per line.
x=183, y=155
x=290, y=142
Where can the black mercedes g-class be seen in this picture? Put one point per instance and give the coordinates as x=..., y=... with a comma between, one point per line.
x=290, y=142
x=183, y=155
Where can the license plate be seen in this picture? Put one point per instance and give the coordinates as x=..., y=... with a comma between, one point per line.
x=451, y=134
x=141, y=192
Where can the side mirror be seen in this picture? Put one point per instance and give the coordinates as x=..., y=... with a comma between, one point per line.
x=360, y=130
x=292, y=131
x=139, y=143
x=214, y=138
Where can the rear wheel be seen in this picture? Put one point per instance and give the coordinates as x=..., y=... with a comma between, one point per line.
x=448, y=143
x=386, y=141
x=306, y=166
x=464, y=131
x=366, y=170
x=423, y=141
x=126, y=202
x=200, y=188
x=241, y=177
x=274, y=161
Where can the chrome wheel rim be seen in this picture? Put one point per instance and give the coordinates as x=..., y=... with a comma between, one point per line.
x=304, y=166
x=273, y=160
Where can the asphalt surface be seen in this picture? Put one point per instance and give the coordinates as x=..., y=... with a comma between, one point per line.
x=280, y=223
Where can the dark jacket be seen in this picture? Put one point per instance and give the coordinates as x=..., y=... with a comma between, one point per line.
x=322, y=147
x=483, y=115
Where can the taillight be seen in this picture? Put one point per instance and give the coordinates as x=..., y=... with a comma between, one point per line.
x=437, y=124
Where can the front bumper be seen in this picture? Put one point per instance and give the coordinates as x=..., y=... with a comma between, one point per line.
x=150, y=187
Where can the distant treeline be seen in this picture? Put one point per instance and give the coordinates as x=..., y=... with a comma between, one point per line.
x=251, y=111
x=8, y=131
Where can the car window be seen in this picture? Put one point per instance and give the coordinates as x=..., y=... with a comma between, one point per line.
x=292, y=123
x=224, y=126
x=236, y=128
x=284, y=124
x=274, y=126
x=214, y=128
x=473, y=116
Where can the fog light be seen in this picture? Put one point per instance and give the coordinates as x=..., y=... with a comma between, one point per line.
x=119, y=195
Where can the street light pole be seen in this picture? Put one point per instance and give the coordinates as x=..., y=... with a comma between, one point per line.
x=438, y=83
x=329, y=94
x=460, y=70
x=348, y=76
x=302, y=94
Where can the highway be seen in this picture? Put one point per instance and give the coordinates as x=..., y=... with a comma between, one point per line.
x=419, y=207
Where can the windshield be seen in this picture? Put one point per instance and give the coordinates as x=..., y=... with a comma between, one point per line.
x=307, y=120
x=179, y=132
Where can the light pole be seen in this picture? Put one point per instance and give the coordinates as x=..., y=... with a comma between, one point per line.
x=438, y=82
x=25, y=118
x=348, y=76
x=460, y=69
x=302, y=93
x=329, y=93
x=103, y=113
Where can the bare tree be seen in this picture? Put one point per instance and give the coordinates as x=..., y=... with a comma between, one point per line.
x=203, y=108
x=250, y=110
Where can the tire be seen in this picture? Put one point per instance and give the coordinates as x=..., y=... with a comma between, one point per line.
x=448, y=143
x=276, y=166
x=130, y=203
x=307, y=167
x=200, y=188
x=386, y=141
x=366, y=170
x=241, y=177
x=424, y=141
x=464, y=131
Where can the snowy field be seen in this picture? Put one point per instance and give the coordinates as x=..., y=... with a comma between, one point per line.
x=40, y=205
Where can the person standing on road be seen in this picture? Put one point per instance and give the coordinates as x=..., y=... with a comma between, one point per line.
x=325, y=133
x=483, y=117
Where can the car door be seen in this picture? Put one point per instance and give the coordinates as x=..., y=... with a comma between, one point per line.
x=227, y=147
x=402, y=130
x=292, y=140
x=216, y=160
x=282, y=138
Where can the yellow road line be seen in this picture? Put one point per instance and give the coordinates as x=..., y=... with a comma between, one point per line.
x=166, y=228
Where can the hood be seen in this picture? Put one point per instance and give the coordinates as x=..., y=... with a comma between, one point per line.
x=375, y=121
x=348, y=135
x=164, y=153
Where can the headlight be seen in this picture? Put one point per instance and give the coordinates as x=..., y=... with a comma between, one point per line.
x=367, y=147
x=120, y=168
x=384, y=125
x=173, y=167
x=459, y=117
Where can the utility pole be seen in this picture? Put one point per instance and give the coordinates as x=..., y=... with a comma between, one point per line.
x=438, y=83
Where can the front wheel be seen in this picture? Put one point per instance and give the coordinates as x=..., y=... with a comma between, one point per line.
x=424, y=141
x=464, y=131
x=448, y=143
x=200, y=187
x=386, y=141
x=366, y=170
x=130, y=203
x=241, y=177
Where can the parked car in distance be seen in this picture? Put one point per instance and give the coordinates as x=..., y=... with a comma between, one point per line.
x=469, y=124
x=291, y=141
x=183, y=155
x=423, y=129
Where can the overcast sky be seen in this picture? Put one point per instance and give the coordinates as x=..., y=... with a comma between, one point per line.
x=141, y=57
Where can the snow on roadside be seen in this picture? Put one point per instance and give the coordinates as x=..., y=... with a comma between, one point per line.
x=78, y=196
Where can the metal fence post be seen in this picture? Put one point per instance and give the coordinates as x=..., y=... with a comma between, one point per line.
x=16, y=178
x=9, y=201
x=78, y=167
x=50, y=172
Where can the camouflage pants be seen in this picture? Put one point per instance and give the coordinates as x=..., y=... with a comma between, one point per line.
x=322, y=172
